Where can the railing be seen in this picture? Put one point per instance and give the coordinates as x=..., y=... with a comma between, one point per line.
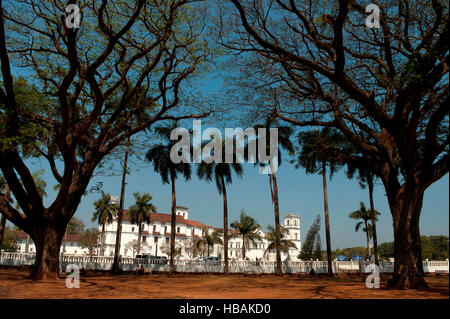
x=183, y=265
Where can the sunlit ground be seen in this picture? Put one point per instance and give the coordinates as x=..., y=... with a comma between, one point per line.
x=14, y=284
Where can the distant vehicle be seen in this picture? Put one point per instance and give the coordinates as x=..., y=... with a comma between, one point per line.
x=146, y=258
x=199, y=258
x=142, y=256
x=212, y=258
x=160, y=259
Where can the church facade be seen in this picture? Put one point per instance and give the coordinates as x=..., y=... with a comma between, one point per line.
x=155, y=238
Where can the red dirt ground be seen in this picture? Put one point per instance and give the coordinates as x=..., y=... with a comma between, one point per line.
x=14, y=284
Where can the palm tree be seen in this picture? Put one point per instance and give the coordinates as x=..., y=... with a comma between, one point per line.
x=319, y=151
x=285, y=244
x=222, y=174
x=366, y=178
x=365, y=215
x=116, y=264
x=209, y=239
x=140, y=213
x=169, y=171
x=248, y=228
x=105, y=212
x=284, y=142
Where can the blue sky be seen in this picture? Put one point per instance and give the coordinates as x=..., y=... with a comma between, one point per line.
x=299, y=194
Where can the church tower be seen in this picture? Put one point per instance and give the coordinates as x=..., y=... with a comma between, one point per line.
x=292, y=225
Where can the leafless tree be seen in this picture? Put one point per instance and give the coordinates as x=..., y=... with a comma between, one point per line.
x=124, y=69
x=317, y=63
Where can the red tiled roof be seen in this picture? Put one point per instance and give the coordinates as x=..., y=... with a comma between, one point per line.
x=230, y=231
x=21, y=234
x=166, y=218
x=195, y=223
x=70, y=238
x=73, y=238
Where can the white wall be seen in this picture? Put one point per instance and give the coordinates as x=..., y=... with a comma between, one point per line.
x=130, y=233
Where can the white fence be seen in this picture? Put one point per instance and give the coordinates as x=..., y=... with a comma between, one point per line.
x=241, y=266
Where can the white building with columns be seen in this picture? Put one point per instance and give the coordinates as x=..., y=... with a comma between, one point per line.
x=70, y=244
x=155, y=237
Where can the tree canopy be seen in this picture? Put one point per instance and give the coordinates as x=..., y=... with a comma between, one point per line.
x=126, y=68
x=312, y=237
x=433, y=248
x=317, y=63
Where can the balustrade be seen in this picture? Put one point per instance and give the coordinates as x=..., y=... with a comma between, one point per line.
x=105, y=262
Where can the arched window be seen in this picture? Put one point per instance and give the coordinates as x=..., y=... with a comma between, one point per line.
x=287, y=222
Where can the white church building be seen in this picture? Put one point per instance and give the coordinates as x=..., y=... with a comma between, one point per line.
x=155, y=238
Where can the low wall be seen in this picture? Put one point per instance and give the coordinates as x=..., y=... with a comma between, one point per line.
x=242, y=266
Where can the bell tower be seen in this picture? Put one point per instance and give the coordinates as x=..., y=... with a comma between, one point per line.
x=292, y=224
x=182, y=211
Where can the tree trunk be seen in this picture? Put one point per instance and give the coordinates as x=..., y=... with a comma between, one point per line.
x=102, y=249
x=116, y=265
x=3, y=219
x=367, y=239
x=47, y=240
x=408, y=267
x=173, y=223
x=139, y=237
x=2, y=231
x=327, y=220
x=27, y=244
x=279, y=270
x=372, y=213
x=65, y=241
x=225, y=227
x=243, y=247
